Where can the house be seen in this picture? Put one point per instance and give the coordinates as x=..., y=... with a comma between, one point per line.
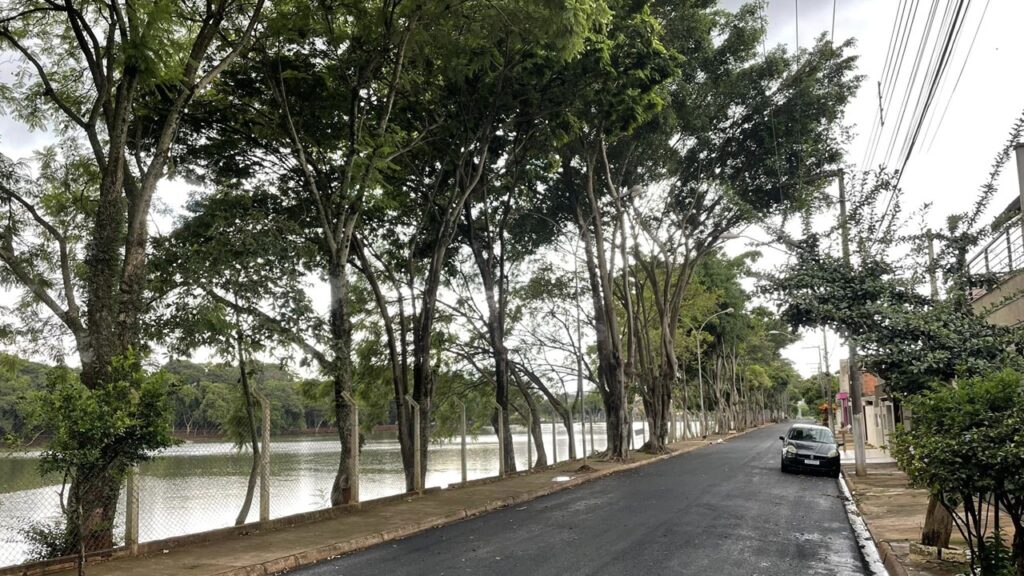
x=881, y=411
x=997, y=266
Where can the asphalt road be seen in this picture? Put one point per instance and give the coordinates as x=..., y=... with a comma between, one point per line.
x=721, y=510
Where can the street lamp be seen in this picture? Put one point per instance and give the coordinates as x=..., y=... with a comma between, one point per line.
x=700, y=373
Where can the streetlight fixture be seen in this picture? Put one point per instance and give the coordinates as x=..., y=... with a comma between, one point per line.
x=700, y=373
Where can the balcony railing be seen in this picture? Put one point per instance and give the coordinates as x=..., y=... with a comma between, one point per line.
x=1000, y=258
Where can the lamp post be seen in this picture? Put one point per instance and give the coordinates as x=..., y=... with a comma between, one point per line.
x=700, y=373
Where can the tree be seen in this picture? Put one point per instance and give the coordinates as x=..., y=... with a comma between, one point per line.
x=965, y=448
x=96, y=434
x=481, y=77
x=911, y=340
x=726, y=101
x=215, y=295
x=118, y=80
x=619, y=76
x=293, y=110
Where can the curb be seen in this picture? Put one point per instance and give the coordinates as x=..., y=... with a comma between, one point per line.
x=879, y=555
x=329, y=551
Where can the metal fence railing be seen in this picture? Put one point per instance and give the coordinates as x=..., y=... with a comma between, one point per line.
x=1002, y=256
x=200, y=485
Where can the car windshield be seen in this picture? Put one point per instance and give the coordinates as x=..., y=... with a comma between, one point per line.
x=820, y=435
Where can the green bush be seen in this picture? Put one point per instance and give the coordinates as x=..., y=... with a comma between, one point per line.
x=95, y=436
x=966, y=446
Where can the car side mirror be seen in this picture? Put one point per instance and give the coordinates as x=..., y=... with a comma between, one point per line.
x=840, y=444
x=783, y=438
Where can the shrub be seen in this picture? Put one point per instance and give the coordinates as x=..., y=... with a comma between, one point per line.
x=966, y=446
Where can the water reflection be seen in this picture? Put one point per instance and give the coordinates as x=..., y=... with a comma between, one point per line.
x=200, y=486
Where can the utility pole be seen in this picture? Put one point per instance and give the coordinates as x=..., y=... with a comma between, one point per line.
x=931, y=266
x=1018, y=151
x=829, y=396
x=856, y=407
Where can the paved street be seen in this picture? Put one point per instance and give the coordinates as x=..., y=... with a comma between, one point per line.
x=724, y=509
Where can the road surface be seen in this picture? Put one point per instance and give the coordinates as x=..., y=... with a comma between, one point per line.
x=724, y=509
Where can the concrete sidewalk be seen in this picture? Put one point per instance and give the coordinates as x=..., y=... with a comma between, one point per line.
x=271, y=551
x=871, y=455
x=894, y=514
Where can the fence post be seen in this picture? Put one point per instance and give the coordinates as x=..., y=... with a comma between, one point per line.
x=265, y=461
x=671, y=424
x=592, y=445
x=353, y=446
x=131, y=511
x=417, y=459
x=583, y=430
x=501, y=439
x=554, y=442
x=529, y=438
x=1009, y=252
x=463, y=449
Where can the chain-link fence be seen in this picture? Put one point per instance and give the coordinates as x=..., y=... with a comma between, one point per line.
x=201, y=485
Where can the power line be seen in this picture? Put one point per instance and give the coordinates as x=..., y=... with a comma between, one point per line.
x=832, y=38
x=946, y=40
x=892, y=70
x=960, y=75
x=885, y=65
x=918, y=59
x=771, y=106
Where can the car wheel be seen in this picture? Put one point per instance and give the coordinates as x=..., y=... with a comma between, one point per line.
x=785, y=469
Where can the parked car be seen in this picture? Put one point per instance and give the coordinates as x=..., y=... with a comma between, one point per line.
x=810, y=448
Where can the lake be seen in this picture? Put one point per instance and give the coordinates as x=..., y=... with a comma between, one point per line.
x=200, y=486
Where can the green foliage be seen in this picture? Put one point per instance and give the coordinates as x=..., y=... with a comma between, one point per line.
x=19, y=381
x=997, y=559
x=50, y=539
x=107, y=429
x=966, y=446
x=206, y=399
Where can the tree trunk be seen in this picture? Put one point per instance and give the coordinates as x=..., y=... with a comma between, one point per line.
x=399, y=378
x=938, y=524
x=564, y=412
x=611, y=375
x=341, y=378
x=1017, y=547
x=254, y=440
x=535, y=431
x=92, y=509
x=492, y=277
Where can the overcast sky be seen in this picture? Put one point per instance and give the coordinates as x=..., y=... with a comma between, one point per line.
x=946, y=169
x=948, y=165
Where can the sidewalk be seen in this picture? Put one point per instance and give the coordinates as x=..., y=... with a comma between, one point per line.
x=872, y=455
x=250, y=552
x=895, y=514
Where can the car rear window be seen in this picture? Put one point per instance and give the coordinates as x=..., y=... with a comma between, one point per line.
x=811, y=435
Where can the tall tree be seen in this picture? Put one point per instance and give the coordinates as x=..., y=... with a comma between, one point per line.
x=119, y=79
x=727, y=100
x=491, y=65
x=309, y=108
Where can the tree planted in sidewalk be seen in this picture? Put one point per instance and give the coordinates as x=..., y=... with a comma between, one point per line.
x=966, y=448
x=96, y=433
x=114, y=81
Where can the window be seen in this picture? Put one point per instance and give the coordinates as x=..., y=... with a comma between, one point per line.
x=820, y=435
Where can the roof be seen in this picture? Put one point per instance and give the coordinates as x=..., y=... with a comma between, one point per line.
x=798, y=425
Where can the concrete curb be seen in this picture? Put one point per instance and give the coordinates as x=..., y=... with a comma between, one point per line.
x=329, y=551
x=879, y=555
